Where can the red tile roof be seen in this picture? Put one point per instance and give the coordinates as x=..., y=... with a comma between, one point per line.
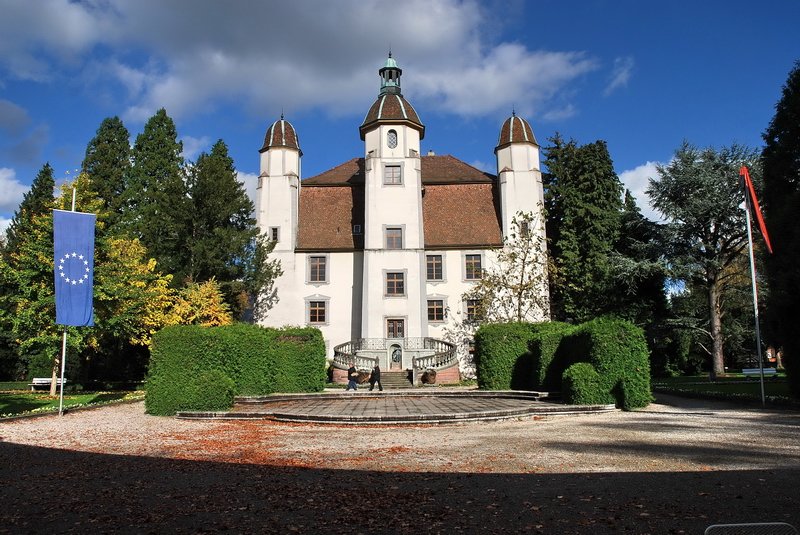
x=281, y=134
x=444, y=169
x=394, y=109
x=515, y=130
x=460, y=207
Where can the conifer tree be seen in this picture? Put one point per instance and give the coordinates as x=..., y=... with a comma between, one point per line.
x=108, y=162
x=583, y=201
x=38, y=200
x=158, y=208
x=699, y=193
x=25, y=270
x=222, y=225
x=781, y=160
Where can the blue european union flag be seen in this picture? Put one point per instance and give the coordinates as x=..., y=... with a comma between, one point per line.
x=73, y=245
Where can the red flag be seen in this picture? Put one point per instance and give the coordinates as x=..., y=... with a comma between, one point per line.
x=751, y=191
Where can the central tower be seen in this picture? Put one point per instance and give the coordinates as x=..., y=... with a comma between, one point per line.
x=393, y=298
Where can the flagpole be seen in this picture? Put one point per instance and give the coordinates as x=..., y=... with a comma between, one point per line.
x=755, y=292
x=64, y=347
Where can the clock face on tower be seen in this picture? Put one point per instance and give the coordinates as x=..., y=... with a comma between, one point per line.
x=391, y=139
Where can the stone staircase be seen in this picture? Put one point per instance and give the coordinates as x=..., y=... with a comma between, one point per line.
x=394, y=380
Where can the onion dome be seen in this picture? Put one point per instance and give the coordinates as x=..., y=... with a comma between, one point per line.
x=515, y=130
x=281, y=134
x=391, y=107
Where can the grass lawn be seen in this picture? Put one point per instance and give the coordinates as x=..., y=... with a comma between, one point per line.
x=731, y=387
x=16, y=403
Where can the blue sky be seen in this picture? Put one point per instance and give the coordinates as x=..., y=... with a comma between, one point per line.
x=642, y=76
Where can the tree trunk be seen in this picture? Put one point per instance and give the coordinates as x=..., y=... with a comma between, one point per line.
x=54, y=380
x=715, y=315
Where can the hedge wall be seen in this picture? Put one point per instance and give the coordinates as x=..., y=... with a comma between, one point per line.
x=202, y=368
x=549, y=362
x=617, y=350
x=502, y=358
x=613, y=356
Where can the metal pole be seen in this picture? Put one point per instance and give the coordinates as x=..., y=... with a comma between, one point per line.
x=64, y=347
x=63, y=366
x=755, y=296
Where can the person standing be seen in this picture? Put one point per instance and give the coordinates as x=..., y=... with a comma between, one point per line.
x=375, y=377
x=352, y=376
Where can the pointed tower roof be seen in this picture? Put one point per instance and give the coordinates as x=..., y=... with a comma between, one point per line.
x=515, y=130
x=281, y=134
x=391, y=107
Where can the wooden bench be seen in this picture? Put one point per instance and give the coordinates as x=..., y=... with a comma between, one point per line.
x=756, y=372
x=43, y=382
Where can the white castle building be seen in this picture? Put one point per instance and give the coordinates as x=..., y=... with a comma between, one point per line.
x=378, y=251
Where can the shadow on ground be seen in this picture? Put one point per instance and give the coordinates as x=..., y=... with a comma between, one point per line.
x=48, y=490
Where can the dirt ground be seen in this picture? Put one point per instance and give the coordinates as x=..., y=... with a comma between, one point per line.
x=675, y=467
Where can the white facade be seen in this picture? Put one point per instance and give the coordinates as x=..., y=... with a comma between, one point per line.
x=375, y=248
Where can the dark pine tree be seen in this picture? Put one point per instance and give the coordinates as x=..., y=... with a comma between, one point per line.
x=584, y=201
x=222, y=226
x=781, y=167
x=108, y=162
x=37, y=201
x=158, y=207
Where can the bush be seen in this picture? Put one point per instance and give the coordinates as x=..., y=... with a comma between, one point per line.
x=257, y=360
x=618, y=352
x=582, y=386
x=208, y=391
x=547, y=362
x=502, y=358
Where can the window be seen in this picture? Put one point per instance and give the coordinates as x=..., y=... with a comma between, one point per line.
x=317, y=312
x=435, y=310
x=434, y=267
x=391, y=139
x=472, y=264
x=394, y=238
x=395, y=328
x=356, y=230
x=273, y=233
x=395, y=284
x=317, y=269
x=392, y=175
x=471, y=307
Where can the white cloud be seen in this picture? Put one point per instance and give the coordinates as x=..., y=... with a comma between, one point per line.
x=4, y=224
x=286, y=55
x=620, y=74
x=485, y=167
x=637, y=181
x=250, y=182
x=11, y=190
x=193, y=146
x=13, y=119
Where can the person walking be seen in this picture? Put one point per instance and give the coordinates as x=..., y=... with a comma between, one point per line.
x=375, y=377
x=352, y=376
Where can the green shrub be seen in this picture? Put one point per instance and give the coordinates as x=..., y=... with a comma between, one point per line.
x=548, y=363
x=618, y=352
x=582, y=385
x=207, y=391
x=502, y=358
x=257, y=360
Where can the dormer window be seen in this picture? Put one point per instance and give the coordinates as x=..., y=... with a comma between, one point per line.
x=391, y=139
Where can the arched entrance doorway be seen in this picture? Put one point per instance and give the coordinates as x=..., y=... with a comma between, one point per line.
x=395, y=357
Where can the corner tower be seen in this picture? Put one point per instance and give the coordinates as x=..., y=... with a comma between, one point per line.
x=278, y=189
x=518, y=173
x=393, y=298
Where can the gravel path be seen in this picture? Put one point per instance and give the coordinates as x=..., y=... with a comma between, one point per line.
x=674, y=467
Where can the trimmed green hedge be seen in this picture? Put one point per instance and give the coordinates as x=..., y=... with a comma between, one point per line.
x=582, y=385
x=192, y=367
x=524, y=356
x=503, y=361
